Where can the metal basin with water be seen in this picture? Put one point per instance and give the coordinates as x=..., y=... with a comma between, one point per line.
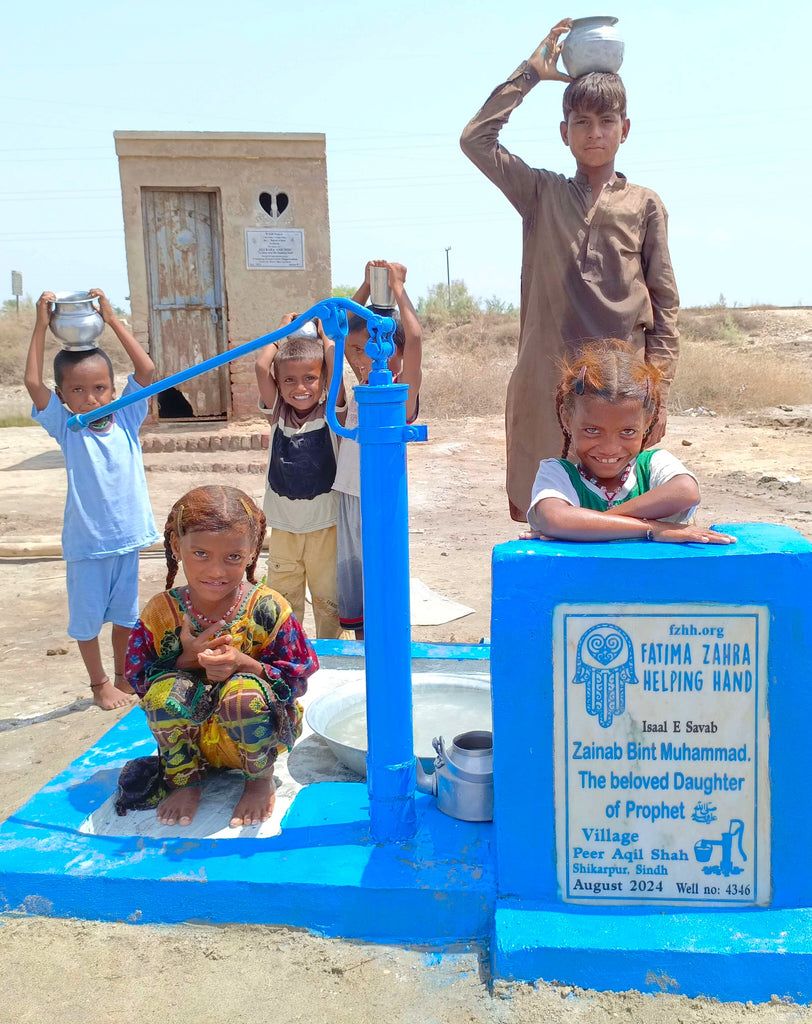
x=444, y=704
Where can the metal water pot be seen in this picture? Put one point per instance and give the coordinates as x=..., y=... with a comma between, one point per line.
x=592, y=44
x=381, y=295
x=462, y=780
x=75, y=321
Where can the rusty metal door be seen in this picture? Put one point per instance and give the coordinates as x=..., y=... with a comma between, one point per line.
x=184, y=275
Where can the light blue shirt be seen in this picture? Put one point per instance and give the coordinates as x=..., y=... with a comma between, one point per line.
x=107, y=509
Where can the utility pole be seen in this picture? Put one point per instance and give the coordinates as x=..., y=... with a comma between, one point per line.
x=448, y=274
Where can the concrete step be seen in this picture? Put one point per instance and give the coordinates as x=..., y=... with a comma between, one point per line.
x=230, y=441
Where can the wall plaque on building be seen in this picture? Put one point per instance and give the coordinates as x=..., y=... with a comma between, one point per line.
x=661, y=754
x=274, y=249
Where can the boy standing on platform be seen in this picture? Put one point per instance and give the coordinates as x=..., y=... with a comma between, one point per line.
x=595, y=259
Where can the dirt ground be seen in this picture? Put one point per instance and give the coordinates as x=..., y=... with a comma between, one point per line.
x=753, y=468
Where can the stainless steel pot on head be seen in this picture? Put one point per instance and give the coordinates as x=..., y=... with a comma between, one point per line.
x=75, y=321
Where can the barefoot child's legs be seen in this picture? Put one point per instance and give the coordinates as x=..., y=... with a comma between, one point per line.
x=242, y=728
x=247, y=723
x=180, y=807
x=102, y=590
x=256, y=803
x=105, y=695
x=121, y=636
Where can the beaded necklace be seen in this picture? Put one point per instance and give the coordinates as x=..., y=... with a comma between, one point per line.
x=609, y=495
x=203, y=621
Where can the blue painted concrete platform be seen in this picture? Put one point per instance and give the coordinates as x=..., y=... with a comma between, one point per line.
x=323, y=872
x=742, y=955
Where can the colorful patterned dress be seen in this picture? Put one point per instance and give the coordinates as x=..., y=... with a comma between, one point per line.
x=240, y=723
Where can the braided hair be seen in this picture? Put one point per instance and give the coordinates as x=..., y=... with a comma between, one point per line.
x=213, y=509
x=611, y=370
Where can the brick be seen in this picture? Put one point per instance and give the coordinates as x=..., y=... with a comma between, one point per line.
x=256, y=442
x=216, y=443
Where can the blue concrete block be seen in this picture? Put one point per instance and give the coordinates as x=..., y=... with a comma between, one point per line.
x=745, y=953
x=731, y=956
x=770, y=565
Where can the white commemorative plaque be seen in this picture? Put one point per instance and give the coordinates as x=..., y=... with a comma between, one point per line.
x=274, y=249
x=661, y=754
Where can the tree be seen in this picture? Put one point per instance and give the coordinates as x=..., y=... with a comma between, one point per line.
x=496, y=305
x=458, y=305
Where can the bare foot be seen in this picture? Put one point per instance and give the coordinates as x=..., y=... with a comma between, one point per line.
x=180, y=807
x=256, y=803
x=122, y=684
x=108, y=698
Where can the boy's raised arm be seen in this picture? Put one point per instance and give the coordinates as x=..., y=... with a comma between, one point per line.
x=40, y=393
x=362, y=295
x=480, y=137
x=544, y=59
x=143, y=366
x=263, y=368
x=412, y=371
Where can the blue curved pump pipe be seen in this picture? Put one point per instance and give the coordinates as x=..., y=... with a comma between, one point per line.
x=382, y=433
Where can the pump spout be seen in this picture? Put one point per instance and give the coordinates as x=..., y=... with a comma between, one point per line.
x=426, y=783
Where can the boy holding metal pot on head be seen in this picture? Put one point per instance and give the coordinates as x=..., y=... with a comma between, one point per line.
x=595, y=259
x=108, y=516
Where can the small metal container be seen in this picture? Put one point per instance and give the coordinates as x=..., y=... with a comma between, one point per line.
x=592, y=44
x=307, y=330
x=380, y=294
x=75, y=321
x=462, y=780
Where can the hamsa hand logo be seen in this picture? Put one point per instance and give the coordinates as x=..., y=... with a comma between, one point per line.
x=605, y=664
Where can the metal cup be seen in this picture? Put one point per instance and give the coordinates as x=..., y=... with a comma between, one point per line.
x=380, y=294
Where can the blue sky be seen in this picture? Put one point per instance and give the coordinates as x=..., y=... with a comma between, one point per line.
x=719, y=102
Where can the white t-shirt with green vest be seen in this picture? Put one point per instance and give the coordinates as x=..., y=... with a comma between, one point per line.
x=558, y=478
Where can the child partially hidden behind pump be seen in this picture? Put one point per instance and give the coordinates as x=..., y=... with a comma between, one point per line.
x=299, y=502
x=608, y=402
x=406, y=368
x=108, y=516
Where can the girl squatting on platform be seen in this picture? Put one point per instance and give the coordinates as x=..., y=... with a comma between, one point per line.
x=218, y=663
